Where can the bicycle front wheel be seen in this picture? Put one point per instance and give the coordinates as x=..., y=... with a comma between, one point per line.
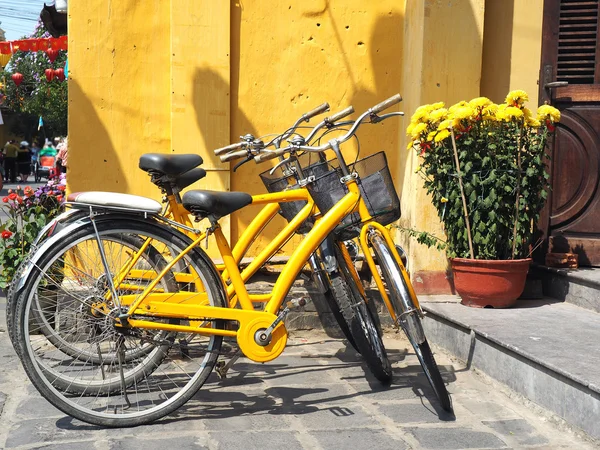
x=408, y=316
x=136, y=375
x=357, y=314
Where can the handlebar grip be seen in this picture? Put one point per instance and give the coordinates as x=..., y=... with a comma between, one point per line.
x=229, y=148
x=269, y=155
x=340, y=115
x=386, y=103
x=315, y=112
x=233, y=155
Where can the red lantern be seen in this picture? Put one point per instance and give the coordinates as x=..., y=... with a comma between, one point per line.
x=59, y=74
x=17, y=78
x=49, y=74
x=63, y=43
x=52, y=54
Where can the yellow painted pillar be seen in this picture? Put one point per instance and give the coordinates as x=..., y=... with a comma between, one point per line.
x=200, y=86
x=442, y=62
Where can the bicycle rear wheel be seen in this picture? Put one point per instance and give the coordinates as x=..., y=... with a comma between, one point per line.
x=408, y=316
x=357, y=314
x=138, y=375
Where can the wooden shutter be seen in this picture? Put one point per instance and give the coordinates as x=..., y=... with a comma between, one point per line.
x=578, y=42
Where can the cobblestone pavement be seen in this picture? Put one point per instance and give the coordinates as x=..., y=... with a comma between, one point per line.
x=316, y=395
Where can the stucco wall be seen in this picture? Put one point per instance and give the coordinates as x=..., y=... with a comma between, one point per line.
x=192, y=75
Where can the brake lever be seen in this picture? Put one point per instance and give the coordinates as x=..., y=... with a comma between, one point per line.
x=242, y=162
x=279, y=164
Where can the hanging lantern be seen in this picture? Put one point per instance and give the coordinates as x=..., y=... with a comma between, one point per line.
x=63, y=43
x=52, y=54
x=49, y=74
x=17, y=78
x=59, y=74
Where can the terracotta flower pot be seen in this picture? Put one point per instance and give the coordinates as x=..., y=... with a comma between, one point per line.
x=489, y=283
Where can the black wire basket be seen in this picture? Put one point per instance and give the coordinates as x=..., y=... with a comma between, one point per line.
x=376, y=186
x=280, y=181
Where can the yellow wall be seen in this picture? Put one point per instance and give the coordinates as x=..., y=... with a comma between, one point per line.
x=288, y=57
x=191, y=75
x=443, y=51
x=512, y=48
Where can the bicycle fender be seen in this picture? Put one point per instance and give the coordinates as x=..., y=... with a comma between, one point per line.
x=45, y=246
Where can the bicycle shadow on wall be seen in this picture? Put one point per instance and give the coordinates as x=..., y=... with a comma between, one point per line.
x=91, y=149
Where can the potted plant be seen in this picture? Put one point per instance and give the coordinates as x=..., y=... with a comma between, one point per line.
x=27, y=212
x=484, y=166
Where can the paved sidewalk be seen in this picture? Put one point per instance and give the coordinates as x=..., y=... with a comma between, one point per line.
x=316, y=395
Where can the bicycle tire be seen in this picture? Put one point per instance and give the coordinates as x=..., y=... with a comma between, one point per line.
x=357, y=315
x=410, y=322
x=63, y=341
x=334, y=307
x=157, y=383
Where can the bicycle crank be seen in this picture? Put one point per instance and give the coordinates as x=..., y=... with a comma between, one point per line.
x=262, y=339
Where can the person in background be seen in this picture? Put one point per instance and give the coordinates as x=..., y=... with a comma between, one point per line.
x=35, y=149
x=48, y=150
x=61, y=161
x=10, y=161
x=24, y=161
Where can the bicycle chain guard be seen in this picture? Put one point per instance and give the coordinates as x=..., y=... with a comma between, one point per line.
x=261, y=353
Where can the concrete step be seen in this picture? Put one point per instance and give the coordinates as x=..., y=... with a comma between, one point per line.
x=580, y=287
x=545, y=350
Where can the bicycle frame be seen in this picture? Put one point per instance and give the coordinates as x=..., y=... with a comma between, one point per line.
x=194, y=305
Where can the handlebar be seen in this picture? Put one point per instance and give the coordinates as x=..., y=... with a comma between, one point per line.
x=234, y=155
x=340, y=115
x=315, y=112
x=329, y=121
x=336, y=141
x=271, y=154
x=386, y=104
x=229, y=148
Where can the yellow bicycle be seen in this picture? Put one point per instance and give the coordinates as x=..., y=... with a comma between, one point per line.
x=183, y=321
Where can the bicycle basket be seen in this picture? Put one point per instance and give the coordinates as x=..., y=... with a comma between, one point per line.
x=376, y=186
x=279, y=181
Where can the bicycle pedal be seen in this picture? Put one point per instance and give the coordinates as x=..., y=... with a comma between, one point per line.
x=221, y=369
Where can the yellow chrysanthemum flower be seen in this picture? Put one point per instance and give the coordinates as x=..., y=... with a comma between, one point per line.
x=501, y=112
x=418, y=130
x=418, y=169
x=512, y=112
x=438, y=114
x=454, y=107
x=410, y=128
x=444, y=200
x=547, y=112
x=517, y=98
x=441, y=135
x=532, y=122
x=480, y=102
x=437, y=105
x=463, y=112
x=421, y=115
x=445, y=124
x=489, y=112
x=431, y=135
x=410, y=145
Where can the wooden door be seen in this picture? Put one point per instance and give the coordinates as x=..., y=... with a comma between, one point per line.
x=570, y=55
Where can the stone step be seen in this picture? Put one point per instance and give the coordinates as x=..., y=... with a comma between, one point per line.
x=545, y=350
x=580, y=287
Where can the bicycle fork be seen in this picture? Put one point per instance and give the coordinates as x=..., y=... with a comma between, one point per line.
x=408, y=318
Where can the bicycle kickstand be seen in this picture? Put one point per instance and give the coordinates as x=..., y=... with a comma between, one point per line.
x=223, y=367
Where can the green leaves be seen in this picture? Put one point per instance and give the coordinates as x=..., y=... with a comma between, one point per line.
x=26, y=216
x=497, y=162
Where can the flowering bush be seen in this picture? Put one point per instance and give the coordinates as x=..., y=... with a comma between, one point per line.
x=28, y=211
x=484, y=166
